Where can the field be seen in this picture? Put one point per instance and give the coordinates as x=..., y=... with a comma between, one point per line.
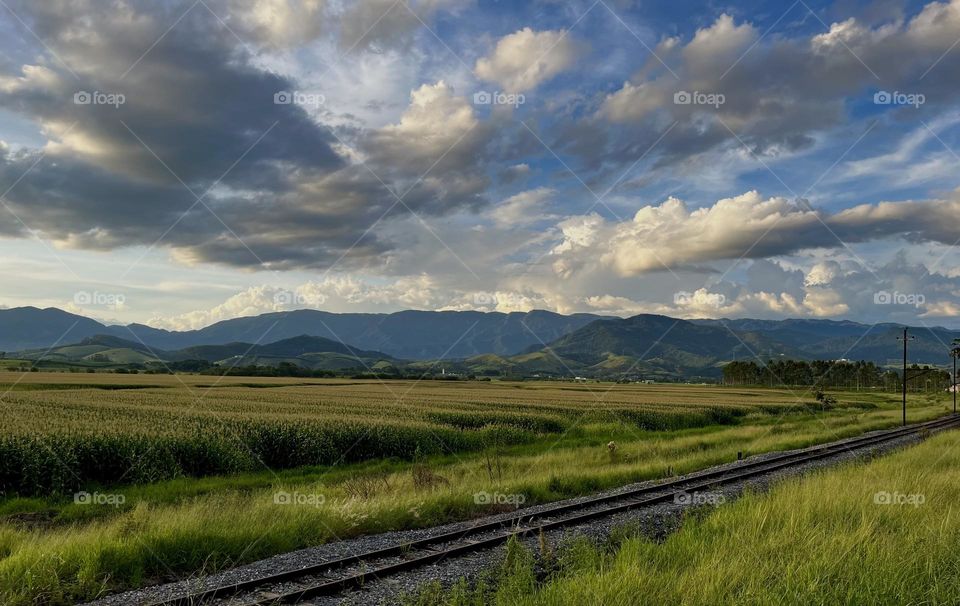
x=184, y=470
x=86, y=429
x=884, y=532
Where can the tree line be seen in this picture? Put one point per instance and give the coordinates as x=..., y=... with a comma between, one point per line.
x=840, y=374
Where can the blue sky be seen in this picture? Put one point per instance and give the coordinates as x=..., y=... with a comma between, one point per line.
x=179, y=163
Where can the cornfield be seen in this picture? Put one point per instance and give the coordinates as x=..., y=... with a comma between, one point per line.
x=65, y=432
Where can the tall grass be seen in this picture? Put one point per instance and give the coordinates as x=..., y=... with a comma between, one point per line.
x=885, y=532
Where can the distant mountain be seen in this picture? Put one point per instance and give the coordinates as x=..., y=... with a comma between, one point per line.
x=831, y=339
x=879, y=344
x=405, y=334
x=30, y=327
x=412, y=335
x=794, y=332
x=659, y=345
x=655, y=345
x=494, y=344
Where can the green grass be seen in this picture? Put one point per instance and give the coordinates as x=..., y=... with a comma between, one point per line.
x=53, y=551
x=823, y=539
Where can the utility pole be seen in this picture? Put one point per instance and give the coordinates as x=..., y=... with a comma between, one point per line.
x=905, y=338
x=955, y=353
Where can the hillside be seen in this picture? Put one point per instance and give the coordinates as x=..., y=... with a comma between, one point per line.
x=315, y=353
x=98, y=350
x=646, y=344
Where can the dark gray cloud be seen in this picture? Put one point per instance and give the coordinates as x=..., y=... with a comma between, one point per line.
x=185, y=108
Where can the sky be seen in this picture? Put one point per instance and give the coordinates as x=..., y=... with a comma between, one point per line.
x=177, y=163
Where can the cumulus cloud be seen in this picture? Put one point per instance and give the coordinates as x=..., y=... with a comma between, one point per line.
x=719, y=45
x=435, y=152
x=821, y=289
x=433, y=128
x=523, y=60
x=671, y=235
x=895, y=291
x=409, y=292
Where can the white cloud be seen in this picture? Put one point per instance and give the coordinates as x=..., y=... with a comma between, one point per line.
x=280, y=23
x=523, y=208
x=746, y=226
x=822, y=273
x=333, y=292
x=942, y=309
x=525, y=59
x=435, y=122
x=250, y=302
x=721, y=44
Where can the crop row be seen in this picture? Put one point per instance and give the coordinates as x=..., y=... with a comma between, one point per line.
x=55, y=440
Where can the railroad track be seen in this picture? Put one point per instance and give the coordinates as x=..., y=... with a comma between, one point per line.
x=334, y=576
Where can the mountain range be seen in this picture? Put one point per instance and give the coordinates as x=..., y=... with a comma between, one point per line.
x=493, y=344
x=413, y=335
